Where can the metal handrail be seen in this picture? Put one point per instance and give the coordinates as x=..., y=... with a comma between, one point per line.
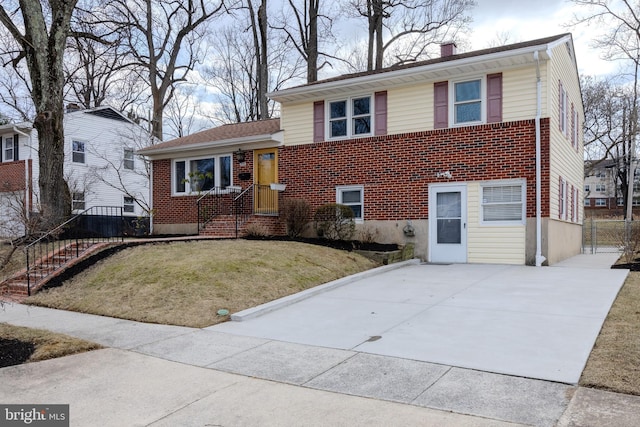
x=238, y=204
x=49, y=252
x=217, y=208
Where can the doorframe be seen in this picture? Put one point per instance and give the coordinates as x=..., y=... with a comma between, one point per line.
x=448, y=187
x=272, y=203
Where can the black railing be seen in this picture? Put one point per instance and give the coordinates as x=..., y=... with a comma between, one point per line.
x=215, y=202
x=68, y=240
x=243, y=206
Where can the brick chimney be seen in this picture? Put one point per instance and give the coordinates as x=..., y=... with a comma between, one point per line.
x=447, y=49
x=71, y=107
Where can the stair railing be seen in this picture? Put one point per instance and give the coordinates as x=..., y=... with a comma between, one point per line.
x=243, y=206
x=69, y=239
x=214, y=202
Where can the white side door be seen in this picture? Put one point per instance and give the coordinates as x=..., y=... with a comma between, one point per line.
x=448, y=223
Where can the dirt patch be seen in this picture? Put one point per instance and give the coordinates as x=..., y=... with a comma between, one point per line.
x=14, y=352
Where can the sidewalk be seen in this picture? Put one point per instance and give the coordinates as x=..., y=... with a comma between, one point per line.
x=168, y=375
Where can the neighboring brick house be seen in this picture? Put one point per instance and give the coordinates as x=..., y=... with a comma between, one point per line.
x=473, y=157
x=100, y=166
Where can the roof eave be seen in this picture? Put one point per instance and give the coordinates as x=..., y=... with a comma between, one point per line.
x=269, y=139
x=426, y=72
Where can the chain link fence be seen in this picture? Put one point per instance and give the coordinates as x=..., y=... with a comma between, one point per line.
x=607, y=236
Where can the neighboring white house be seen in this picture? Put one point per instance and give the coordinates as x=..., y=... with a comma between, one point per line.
x=100, y=167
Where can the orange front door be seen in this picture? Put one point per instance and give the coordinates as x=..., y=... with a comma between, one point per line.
x=266, y=199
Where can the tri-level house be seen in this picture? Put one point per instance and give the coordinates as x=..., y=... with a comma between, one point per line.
x=100, y=166
x=472, y=157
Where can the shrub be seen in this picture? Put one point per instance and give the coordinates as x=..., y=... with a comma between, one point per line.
x=257, y=230
x=334, y=221
x=296, y=213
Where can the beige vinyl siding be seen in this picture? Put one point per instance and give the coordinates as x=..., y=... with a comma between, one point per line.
x=519, y=94
x=410, y=109
x=565, y=160
x=491, y=244
x=297, y=122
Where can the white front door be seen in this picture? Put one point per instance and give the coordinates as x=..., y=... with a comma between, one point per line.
x=448, y=223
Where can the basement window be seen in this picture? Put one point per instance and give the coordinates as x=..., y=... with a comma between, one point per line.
x=503, y=203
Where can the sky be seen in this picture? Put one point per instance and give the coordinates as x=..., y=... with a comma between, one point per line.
x=523, y=22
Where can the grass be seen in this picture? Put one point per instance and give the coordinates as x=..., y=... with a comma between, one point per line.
x=614, y=363
x=48, y=345
x=186, y=283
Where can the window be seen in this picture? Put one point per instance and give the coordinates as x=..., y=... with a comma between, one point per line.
x=8, y=149
x=503, y=202
x=129, y=205
x=587, y=202
x=601, y=188
x=601, y=202
x=352, y=196
x=77, y=201
x=128, y=159
x=350, y=117
x=586, y=188
x=620, y=201
x=467, y=102
x=202, y=174
x=77, y=155
x=562, y=114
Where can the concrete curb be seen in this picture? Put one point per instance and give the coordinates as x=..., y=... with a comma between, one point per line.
x=261, y=309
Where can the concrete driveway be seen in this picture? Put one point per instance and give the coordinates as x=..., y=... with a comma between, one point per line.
x=524, y=321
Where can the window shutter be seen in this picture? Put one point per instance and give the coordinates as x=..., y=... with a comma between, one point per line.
x=381, y=113
x=441, y=105
x=318, y=121
x=560, y=112
x=573, y=126
x=16, y=156
x=573, y=198
x=494, y=98
x=560, y=197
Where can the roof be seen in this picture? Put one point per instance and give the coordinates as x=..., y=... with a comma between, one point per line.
x=512, y=55
x=221, y=136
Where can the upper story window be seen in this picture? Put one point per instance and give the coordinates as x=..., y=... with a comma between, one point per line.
x=8, y=149
x=77, y=201
x=128, y=159
x=202, y=174
x=77, y=152
x=601, y=188
x=562, y=108
x=467, y=101
x=350, y=117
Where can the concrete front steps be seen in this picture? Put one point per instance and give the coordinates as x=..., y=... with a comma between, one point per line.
x=224, y=227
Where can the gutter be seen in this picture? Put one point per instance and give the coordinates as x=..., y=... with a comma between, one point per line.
x=539, y=257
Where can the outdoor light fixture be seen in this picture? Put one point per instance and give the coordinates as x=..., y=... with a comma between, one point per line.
x=240, y=155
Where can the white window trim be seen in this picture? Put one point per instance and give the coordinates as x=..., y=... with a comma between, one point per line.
x=77, y=200
x=341, y=188
x=501, y=183
x=132, y=159
x=601, y=202
x=132, y=204
x=349, y=118
x=84, y=152
x=187, y=185
x=6, y=158
x=483, y=101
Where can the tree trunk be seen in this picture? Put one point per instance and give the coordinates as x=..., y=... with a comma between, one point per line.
x=44, y=52
x=263, y=69
x=312, y=46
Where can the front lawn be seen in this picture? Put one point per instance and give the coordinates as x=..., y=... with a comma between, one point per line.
x=186, y=283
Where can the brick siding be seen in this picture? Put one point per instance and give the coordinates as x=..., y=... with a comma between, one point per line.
x=12, y=176
x=395, y=169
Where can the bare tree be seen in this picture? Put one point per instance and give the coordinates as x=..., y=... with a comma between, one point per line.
x=401, y=31
x=40, y=31
x=304, y=25
x=165, y=38
x=620, y=40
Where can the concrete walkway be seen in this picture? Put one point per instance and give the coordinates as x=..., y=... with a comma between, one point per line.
x=167, y=375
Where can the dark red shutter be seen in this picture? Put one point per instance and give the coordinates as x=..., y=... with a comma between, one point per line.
x=381, y=113
x=573, y=126
x=560, y=105
x=494, y=98
x=318, y=121
x=441, y=105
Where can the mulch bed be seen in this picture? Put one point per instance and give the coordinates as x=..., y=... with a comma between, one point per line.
x=14, y=352
x=633, y=266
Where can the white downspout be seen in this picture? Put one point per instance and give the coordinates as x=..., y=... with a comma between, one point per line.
x=27, y=177
x=539, y=258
